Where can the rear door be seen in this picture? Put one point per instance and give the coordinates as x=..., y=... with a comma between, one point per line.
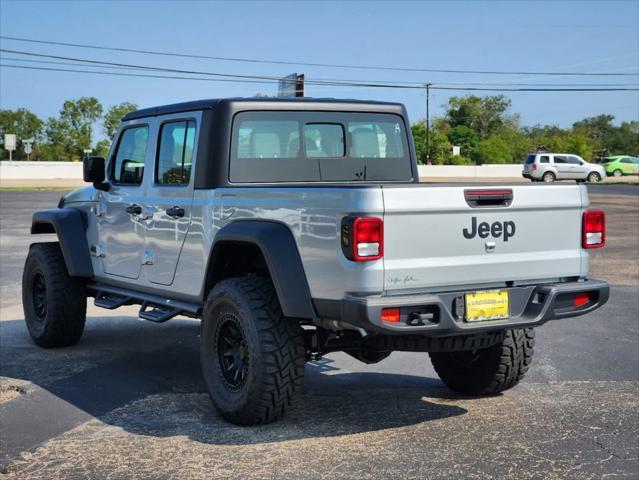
x=630, y=165
x=170, y=195
x=436, y=238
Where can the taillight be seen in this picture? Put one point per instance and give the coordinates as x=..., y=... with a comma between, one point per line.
x=581, y=299
x=594, y=229
x=534, y=166
x=391, y=315
x=362, y=238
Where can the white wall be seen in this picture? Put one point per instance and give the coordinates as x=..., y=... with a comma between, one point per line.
x=471, y=171
x=41, y=170
x=73, y=171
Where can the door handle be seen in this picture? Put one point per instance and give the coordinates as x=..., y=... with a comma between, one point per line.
x=134, y=209
x=175, y=212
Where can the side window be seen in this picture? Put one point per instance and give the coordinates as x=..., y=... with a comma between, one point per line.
x=175, y=153
x=626, y=160
x=128, y=164
x=544, y=159
x=574, y=160
x=560, y=159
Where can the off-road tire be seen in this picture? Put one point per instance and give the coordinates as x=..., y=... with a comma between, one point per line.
x=273, y=347
x=488, y=371
x=54, y=303
x=548, y=177
x=594, y=177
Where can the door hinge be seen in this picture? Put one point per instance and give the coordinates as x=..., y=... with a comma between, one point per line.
x=98, y=250
x=99, y=210
x=148, y=258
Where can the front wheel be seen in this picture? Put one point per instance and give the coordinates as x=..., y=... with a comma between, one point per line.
x=252, y=356
x=54, y=303
x=594, y=177
x=488, y=371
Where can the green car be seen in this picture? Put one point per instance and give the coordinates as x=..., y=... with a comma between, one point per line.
x=621, y=165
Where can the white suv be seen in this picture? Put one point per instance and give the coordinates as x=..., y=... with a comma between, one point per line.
x=548, y=167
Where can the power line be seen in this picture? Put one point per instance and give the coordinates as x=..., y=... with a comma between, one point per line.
x=310, y=64
x=447, y=84
x=215, y=74
x=140, y=75
x=308, y=81
x=259, y=80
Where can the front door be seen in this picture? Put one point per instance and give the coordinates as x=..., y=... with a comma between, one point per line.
x=579, y=168
x=564, y=168
x=170, y=196
x=121, y=213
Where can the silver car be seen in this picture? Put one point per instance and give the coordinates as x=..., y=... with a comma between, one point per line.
x=548, y=167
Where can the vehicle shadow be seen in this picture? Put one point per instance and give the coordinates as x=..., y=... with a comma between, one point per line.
x=146, y=379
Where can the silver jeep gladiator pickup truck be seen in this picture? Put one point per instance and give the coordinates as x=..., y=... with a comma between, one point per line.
x=294, y=228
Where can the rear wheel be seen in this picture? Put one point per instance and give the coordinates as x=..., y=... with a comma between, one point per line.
x=252, y=356
x=617, y=173
x=487, y=371
x=594, y=177
x=548, y=177
x=54, y=303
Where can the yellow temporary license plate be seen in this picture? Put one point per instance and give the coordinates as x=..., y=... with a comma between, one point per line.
x=490, y=305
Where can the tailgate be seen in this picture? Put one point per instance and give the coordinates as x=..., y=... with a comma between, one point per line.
x=435, y=238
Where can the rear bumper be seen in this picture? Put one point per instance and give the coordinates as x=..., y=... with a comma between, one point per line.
x=530, y=306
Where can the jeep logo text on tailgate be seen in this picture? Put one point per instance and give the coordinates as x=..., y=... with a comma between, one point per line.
x=497, y=229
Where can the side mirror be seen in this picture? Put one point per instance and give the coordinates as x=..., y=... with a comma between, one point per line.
x=93, y=172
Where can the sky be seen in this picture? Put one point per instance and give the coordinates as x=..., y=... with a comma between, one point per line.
x=574, y=36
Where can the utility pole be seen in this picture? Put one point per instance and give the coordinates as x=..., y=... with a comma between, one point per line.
x=428, y=123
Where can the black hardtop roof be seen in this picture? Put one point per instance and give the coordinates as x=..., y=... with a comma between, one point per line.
x=266, y=103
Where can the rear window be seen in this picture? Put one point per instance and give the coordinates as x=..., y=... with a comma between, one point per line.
x=318, y=147
x=530, y=159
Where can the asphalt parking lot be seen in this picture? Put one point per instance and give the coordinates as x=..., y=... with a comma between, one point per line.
x=128, y=400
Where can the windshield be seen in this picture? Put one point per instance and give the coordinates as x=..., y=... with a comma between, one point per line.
x=319, y=147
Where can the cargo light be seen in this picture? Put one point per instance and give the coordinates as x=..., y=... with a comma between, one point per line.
x=581, y=299
x=594, y=229
x=390, y=315
x=363, y=238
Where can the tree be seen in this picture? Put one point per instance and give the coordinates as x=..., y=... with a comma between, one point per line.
x=24, y=124
x=114, y=115
x=102, y=148
x=464, y=137
x=493, y=149
x=485, y=115
x=71, y=134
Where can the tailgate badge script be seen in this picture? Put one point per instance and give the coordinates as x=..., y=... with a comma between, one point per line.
x=484, y=229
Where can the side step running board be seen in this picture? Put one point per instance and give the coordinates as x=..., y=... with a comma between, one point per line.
x=157, y=313
x=111, y=300
x=153, y=307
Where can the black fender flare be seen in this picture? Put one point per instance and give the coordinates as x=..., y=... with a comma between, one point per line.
x=275, y=241
x=69, y=225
